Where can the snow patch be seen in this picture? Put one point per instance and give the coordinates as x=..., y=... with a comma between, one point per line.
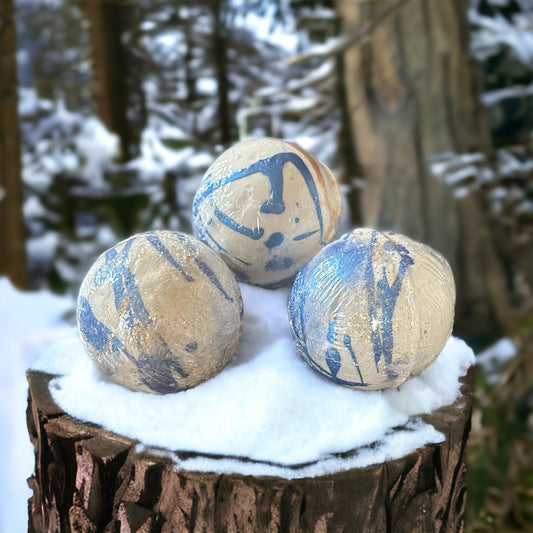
x=98, y=148
x=267, y=405
x=28, y=323
x=494, y=359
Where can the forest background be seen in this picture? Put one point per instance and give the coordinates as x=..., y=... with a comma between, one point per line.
x=112, y=110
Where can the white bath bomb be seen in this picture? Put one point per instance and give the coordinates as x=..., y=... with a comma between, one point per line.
x=372, y=309
x=160, y=312
x=267, y=206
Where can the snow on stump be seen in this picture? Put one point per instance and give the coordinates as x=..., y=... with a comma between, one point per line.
x=266, y=445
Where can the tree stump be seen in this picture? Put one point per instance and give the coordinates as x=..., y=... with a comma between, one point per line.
x=88, y=479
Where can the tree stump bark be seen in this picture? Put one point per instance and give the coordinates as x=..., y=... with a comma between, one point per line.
x=91, y=480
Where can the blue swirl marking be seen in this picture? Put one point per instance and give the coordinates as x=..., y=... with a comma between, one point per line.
x=343, y=264
x=128, y=300
x=278, y=264
x=274, y=240
x=155, y=370
x=98, y=335
x=203, y=233
x=382, y=295
x=348, y=346
x=332, y=334
x=333, y=360
x=303, y=236
x=212, y=278
x=272, y=168
x=192, y=347
x=333, y=357
x=254, y=233
x=156, y=242
x=298, y=319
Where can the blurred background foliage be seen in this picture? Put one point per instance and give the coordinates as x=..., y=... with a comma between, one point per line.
x=112, y=110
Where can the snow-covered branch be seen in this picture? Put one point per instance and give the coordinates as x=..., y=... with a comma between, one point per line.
x=337, y=45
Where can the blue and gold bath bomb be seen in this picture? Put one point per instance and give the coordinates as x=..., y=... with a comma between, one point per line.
x=160, y=312
x=372, y=309
x=267, y=206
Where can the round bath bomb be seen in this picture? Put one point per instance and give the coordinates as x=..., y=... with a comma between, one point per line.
x=267, y=206
x=160, y=312
x=372, y=309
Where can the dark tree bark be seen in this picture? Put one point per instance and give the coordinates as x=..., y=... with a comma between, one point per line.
x=118, y=88
x=221, y=64
x=414, y=91
x=12, y=230
x=87, y=480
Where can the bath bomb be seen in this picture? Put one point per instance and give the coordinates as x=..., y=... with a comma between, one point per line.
x=267, y=206
x=160, y=312
x=372, y=309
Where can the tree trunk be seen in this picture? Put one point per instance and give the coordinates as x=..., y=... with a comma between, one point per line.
x=413, y=91
x=88, y=479
x=221, y=65
x=12, y=231
x=118, y=85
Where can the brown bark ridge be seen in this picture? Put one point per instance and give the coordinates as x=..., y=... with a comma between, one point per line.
x=88, y=479
x=12, y=231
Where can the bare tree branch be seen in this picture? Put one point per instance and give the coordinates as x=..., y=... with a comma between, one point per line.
x=350, y=39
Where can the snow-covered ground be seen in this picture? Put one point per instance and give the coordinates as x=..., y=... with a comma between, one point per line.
x=29, y=322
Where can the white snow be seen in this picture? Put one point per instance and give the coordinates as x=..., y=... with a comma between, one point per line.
x=446, y=162
x=267, y=405
x=155, y=157
x=494, y=359
x=200, y=160
x=147, y=25
x=28, y=323
x=33, y=208
x=44, y=247
x=265, y=26
x=494, y=97
x=332, y=46
x=461, y=192
x=326, y=70
x=28, y=102
x=460, y=175
x=63, y=142
x=97, y=147
x=207, y=86
x=494, y=33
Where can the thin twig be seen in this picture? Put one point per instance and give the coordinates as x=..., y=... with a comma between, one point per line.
x=351, y=38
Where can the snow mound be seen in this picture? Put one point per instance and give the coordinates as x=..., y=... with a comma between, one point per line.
x=267, y=406
x=29, y=321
